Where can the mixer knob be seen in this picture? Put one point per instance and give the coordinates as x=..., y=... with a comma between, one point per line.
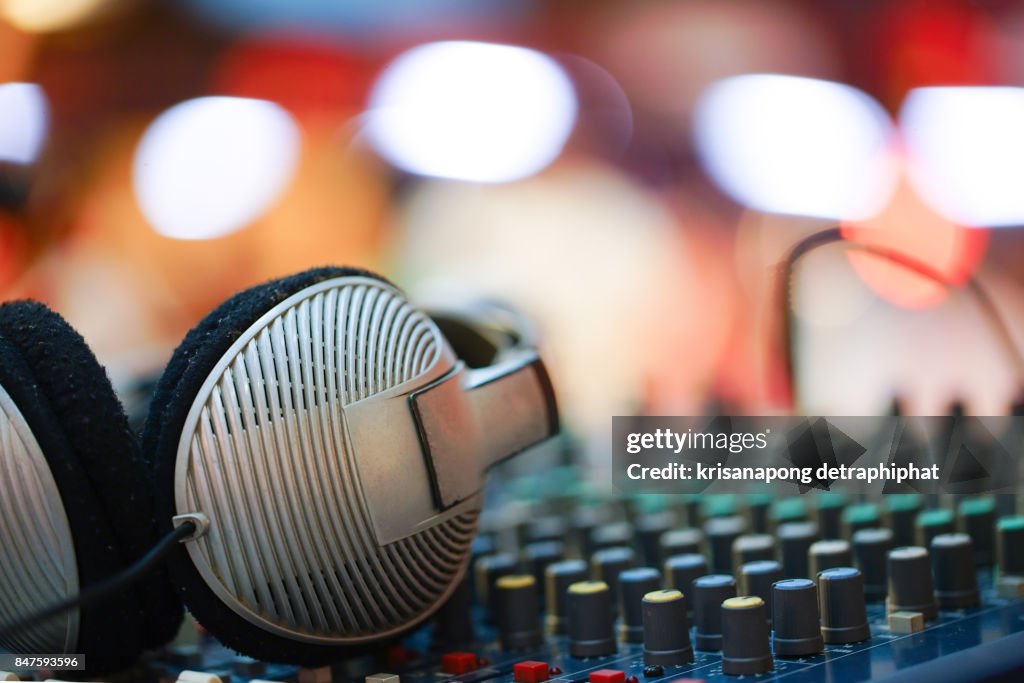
x=745, y=639
x=871, y=547
x=824, y=555
x=607, y=564
x=634, y=584
x=681, y=542
x=666, y=629
x=519, y=612
x=795, y=618
x=1010, y=546
x=795, y=540
x=844, y=616
x=910, y=582
x=590, y=620
x=557, y=579
x=709, y=592
x=931, y=523
x=720, y=533
x=756, y=578
x=956, y=579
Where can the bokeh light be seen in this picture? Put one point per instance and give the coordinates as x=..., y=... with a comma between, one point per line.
x=793, y=145
x=908, y=225
x=212, y=165
x=471, y=111
x=24, y=116
x=43, y=16
x=966, y=145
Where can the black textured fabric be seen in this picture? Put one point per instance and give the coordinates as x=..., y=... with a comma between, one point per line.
x=188, y=369
x=67, y=399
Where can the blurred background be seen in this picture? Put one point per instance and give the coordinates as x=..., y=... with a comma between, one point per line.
x=629, y=174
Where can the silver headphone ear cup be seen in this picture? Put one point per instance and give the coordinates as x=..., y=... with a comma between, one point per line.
x=289, y=570
x=92, y=473
x=36, y=535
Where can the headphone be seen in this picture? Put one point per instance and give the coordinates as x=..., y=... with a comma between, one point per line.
x=317, y=443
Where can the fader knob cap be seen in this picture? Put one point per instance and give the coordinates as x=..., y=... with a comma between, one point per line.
x=844, y=618
x=795, y=618
x=871, y=548
x=824, y=555
x=590, y=620
x=745, y=639
x=666, y=629
x=709, y=592
x=634, y=584
x=519, y=612
x=557, y=579
x=956, y=579
x=910, y=582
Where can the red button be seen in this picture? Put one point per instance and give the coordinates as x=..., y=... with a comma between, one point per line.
x=458, y=662
x=530, y=672
x=608, y=676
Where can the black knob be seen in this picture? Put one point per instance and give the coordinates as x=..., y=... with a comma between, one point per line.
x=519, y=612
x=824, y=555
x=709, y=592
x=682, y=570
x=956, y=579
x=844, y=617
x=584, y=521
x=795, y=618
x=756, y=578
x=871, y=548
x=857, y=517
x=795, y=539
x=978, y=520
x=607, y=564
x=540, y=555
x=543, y=529
x=752, y=548
x=931, y=523
x=830, y=514
x=681, y=542
x=745, y=645
x=758, y=506
x=901, y=512
x=666, y=629
x=1010, y=545
x=590, y=620
x=634, y=584
x=453, y=624
x=615, y=535
x=557, y=579
x=649, y=529
x=488, y=570
x=910, y=582
x=720, y=533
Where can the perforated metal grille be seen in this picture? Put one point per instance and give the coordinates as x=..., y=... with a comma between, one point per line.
x=37, y=566
x=290, y=538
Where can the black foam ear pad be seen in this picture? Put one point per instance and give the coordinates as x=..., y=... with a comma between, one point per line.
x=71, y=407
x=188, y=369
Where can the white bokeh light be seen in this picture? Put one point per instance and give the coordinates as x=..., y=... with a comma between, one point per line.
x=24, y=119
x=966, y=147
x=471, y=111
x=209, y=166
x=799, y=146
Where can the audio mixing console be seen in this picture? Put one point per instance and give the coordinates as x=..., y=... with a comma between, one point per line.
x=656, y=599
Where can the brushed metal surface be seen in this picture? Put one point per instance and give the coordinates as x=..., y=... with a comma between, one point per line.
x=266, y=455
x=37, y=554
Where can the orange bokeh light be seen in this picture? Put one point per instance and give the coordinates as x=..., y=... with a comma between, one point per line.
x=909, y=226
